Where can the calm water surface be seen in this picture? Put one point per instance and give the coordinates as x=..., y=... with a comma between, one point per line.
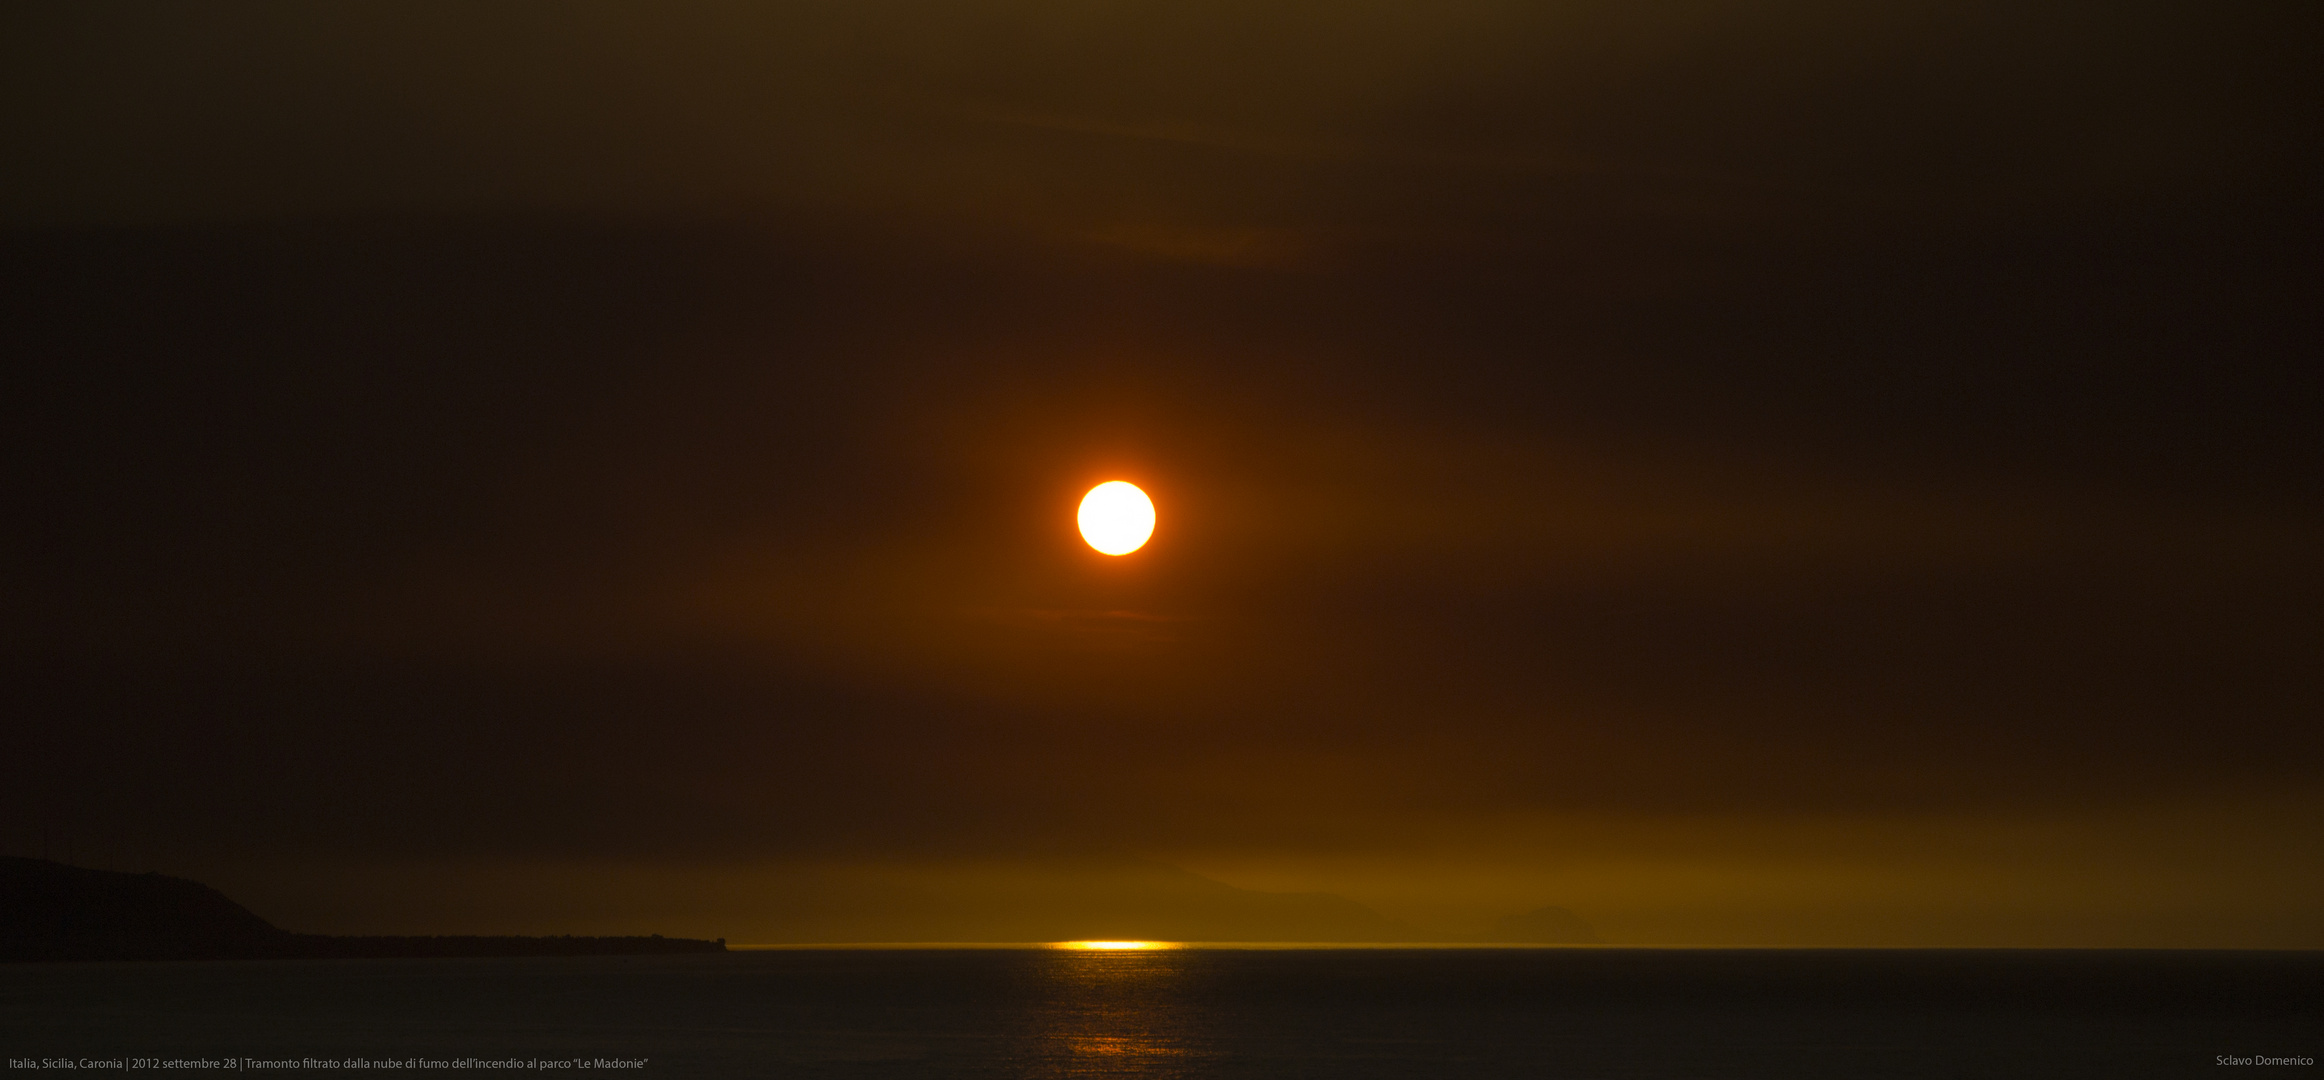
x=1226, y=1013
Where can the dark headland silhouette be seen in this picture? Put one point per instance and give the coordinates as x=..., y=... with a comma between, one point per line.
x=53, y=912
x=50, y=911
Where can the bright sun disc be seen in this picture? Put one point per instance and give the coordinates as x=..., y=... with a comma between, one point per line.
x=1114, y=946
x=1116, y=517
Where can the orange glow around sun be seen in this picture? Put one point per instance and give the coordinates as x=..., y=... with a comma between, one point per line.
x=1116, y=946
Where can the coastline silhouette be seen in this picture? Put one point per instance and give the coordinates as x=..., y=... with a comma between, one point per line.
x=50, y=911
x=53, y=912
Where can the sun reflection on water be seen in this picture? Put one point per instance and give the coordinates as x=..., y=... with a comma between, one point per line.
x=1117, y=1008
x=1120, y=1046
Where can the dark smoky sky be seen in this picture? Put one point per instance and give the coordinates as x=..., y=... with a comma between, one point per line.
x=605, y=431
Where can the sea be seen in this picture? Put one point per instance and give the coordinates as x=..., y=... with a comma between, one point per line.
x=1340, y=1013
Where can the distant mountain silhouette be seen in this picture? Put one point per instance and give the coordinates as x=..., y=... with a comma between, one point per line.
x=1545, y=926
x=50, y=911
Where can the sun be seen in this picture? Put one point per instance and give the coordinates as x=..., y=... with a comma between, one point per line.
x=1116, y=517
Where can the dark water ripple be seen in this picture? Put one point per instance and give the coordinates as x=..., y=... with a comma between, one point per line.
x=1214, y=1013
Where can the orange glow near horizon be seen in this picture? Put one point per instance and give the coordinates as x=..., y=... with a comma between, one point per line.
x=1116, y=946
